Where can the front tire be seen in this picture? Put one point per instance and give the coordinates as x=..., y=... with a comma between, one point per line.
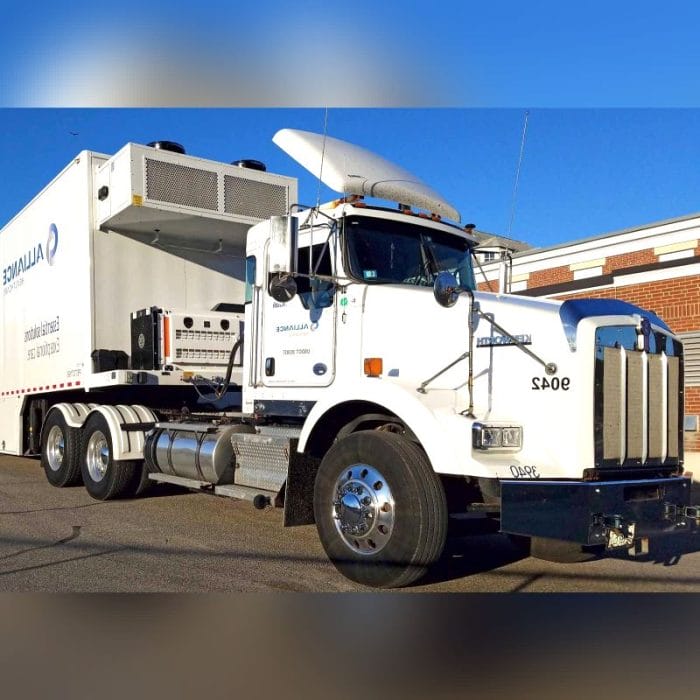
x=104, y=477
x=60, y=451
x=380, y=509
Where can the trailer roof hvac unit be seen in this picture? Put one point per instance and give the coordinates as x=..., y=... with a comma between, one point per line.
x=195, y=208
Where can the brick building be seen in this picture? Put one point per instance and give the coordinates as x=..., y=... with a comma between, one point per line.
x=656, y=266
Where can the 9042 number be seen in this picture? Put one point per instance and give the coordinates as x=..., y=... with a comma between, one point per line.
x=554, y=383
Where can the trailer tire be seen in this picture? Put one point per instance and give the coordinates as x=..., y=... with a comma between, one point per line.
x=563, y=552
x=380, y=509
x=60, y=451
x=103, y=476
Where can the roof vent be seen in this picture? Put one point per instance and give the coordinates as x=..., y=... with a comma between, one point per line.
x=250, y=164
x=168, y=146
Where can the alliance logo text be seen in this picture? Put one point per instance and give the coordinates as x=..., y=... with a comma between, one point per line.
x=31, y=258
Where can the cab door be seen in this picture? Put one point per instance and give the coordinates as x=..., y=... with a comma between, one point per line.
x=298, y=336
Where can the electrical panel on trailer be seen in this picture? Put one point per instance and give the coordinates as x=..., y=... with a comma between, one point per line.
x=162, y=339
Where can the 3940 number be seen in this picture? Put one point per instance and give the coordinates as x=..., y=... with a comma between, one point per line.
x=524, y=472
x=554, y=383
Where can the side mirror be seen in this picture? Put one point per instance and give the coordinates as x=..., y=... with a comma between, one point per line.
x=446, y=289
x=282, y=288
x=284, y=244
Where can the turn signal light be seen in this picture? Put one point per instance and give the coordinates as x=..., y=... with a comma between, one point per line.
x=373, y=366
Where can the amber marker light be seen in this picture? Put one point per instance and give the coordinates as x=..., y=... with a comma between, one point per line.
x=373, y=366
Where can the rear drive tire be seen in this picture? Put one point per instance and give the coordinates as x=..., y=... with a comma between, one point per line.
x=380, y=509
x=103, y=476
x=60, y=451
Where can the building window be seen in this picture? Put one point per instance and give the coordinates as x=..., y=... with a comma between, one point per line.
x=691, y=350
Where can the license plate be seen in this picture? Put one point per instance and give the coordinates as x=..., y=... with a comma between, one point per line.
x=621, y=537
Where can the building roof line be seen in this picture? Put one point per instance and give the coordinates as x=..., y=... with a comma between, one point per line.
x=609, y=234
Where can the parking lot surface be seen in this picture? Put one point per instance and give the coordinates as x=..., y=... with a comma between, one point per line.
x=173, y=540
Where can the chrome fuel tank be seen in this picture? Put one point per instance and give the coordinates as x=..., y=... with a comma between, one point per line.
x=199, y=451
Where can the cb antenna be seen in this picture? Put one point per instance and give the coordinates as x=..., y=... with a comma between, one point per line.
x=323, y=153
x=318, y=195
x=517, y=173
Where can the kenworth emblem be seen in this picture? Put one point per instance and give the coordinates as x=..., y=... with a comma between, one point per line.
x=491, y=340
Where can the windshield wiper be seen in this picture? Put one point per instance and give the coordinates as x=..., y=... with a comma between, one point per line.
x=427, y=265
x=430, y=259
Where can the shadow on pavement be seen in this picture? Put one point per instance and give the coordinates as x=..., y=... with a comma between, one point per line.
x=667, y=550
x=474, y=546
x=158, y=490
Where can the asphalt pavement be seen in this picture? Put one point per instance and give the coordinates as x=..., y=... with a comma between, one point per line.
x=173, y=540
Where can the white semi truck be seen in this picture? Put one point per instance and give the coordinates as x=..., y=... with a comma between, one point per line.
x=171, y=319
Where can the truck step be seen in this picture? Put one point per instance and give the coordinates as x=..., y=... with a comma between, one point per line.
x=262, y=460
x=260, y=497
x=280, y=432
x=180, y=481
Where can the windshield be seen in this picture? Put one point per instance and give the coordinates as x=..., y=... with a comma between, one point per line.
x=382, y=251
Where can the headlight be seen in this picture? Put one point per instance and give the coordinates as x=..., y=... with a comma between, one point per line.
x=490, y=437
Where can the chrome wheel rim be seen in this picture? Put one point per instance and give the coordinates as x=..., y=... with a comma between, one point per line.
x=55, y=448
x=97, y=456
x=363, y=509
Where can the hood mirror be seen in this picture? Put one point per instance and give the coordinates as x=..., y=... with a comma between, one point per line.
x=282, y=288
x=446, y=289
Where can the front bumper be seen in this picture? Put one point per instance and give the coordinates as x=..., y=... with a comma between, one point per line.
x=614, y=513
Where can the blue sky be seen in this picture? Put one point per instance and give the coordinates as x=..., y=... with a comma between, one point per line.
x=501, y=53
x=614, y=128
x=584, y=171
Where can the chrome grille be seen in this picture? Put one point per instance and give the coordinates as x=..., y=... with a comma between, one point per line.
x=637, y=402
x=675, y=409
x=658, y=409
x=638, y=399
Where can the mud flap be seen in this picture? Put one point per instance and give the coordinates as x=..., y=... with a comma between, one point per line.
x=299, y=489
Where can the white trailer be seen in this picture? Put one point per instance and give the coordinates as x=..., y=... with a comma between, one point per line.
x=172, y=319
